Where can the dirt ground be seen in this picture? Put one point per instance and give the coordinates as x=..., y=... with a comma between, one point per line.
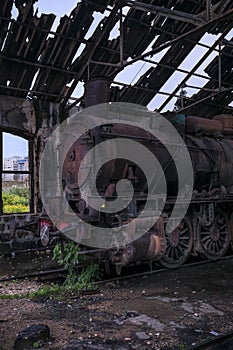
x=168, y=311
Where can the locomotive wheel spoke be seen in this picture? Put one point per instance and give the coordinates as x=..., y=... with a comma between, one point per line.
x=179, y=244
x=215, y=239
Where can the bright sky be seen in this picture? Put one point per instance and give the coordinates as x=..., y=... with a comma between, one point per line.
x=14, y=146
x=59, y=8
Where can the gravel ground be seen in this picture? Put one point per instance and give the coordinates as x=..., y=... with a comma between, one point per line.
x=169, y=310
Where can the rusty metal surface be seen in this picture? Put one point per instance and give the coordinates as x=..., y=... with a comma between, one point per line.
x=96, y=91
x=211, y=157
x=197, y=125
x=227, y=123
x=210, y=153
x=38, y=62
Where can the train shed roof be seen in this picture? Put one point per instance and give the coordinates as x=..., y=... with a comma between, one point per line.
x=180, y=55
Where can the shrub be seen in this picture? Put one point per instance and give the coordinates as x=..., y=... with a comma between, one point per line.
x=16, y=200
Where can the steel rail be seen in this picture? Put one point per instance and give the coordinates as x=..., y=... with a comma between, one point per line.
x=163, y=269
x=32, y=275
x=153, y=271
x=217, y=343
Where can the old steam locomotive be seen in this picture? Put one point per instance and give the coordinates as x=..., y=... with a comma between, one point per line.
x=206, y=228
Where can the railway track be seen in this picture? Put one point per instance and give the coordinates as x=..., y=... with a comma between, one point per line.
x=34, y=275
x=221, y=342
x=161, y=269
x=128, y=273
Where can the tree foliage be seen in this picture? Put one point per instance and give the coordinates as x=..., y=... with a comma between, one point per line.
x=16, y=200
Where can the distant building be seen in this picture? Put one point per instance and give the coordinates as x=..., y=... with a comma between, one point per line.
x=15, y=163
x=22, y=165
x=10, y=164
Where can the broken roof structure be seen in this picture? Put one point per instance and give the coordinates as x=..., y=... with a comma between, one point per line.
x=156, y=41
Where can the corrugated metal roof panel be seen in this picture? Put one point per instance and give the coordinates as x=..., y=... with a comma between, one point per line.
x=5, y=12
x=40, y=63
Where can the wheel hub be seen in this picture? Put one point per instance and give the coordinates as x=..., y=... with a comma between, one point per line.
x=174, y=238
x=215, y=235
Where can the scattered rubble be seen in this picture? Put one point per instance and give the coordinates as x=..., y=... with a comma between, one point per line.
x=118, y=319
x=33, y=336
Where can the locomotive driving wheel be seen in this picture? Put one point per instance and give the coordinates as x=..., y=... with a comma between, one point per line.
x=215, y=238
x=179, y=244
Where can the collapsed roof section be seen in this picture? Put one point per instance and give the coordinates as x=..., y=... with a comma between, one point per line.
x=37, y=62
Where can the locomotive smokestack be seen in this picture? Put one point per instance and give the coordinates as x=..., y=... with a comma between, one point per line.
x=96, y=91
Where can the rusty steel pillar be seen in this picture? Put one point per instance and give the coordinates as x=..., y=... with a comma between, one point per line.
x=96, y=91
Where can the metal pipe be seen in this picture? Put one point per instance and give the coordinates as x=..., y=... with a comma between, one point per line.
x=208, y=10
x=143, y=89
x=177, y=69
x=219, y=68
x=121, y=37
x=96, y=91
x=111, y=18
x=162, y=11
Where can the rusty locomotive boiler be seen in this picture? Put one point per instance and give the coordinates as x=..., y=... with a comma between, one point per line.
x=206, y=229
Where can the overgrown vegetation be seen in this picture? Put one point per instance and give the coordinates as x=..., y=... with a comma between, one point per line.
x=81, y=272
x=48, y=291
x=12, y=296
x=80, y=277
x=44, y=292
x=70, y=259
x=16, y=200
